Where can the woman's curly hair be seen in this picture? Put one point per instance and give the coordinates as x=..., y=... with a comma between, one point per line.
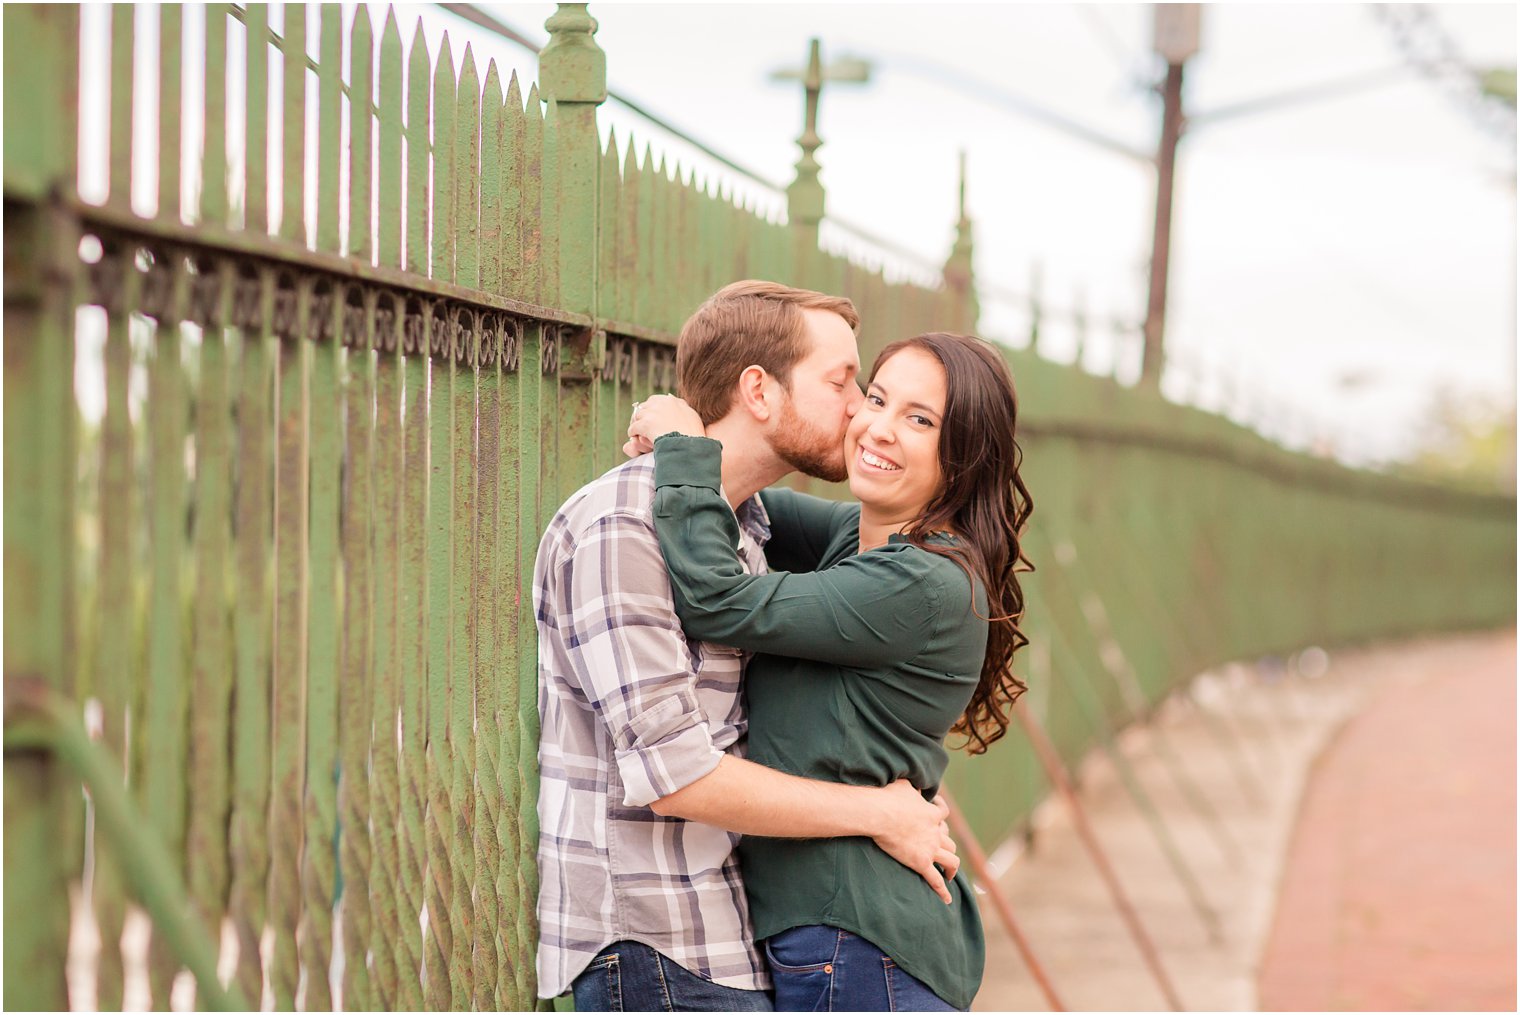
x=985, y=503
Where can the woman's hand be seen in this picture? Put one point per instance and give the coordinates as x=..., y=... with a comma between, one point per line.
x=657, y=416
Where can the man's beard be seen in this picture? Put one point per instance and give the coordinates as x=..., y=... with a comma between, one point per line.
x=807, y=449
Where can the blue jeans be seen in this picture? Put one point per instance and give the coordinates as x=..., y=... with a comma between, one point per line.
x=629, y=976
x=821, y=968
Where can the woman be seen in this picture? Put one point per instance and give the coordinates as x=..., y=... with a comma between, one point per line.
x=885, y=627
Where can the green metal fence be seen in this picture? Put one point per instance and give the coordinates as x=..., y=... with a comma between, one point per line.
x=279, y=445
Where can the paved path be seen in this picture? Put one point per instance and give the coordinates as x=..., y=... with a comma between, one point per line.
x=1399, y=888
x=1250, y=741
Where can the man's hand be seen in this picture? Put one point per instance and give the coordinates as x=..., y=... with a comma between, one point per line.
x=914, y=832
x=751, y=799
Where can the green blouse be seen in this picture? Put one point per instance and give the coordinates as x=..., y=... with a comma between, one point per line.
x=863, y=663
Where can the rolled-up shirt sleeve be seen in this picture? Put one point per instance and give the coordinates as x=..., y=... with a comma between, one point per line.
x=627, y=651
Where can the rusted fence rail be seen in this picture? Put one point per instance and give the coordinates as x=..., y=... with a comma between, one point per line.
x=282, y=427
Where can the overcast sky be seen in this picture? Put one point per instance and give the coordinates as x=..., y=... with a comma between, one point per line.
x=1335, y=262
x=1342, y=257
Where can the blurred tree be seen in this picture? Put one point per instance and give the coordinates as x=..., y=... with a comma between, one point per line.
x=1499, y=83
x=1465, y=438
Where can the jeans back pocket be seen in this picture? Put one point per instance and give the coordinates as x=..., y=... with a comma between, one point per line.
x=601, y=984
x=802, y=967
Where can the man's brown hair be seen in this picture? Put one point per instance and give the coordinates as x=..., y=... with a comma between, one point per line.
x=749, y=323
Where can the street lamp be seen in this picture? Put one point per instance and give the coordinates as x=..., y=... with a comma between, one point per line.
x=1176, y=40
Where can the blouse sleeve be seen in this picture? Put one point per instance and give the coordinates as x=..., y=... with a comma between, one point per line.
x=873, y=609
x=802, y=527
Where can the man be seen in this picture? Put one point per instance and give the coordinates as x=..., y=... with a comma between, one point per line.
x=644, y=790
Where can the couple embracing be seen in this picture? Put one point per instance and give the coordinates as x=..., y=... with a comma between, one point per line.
x=745, y=692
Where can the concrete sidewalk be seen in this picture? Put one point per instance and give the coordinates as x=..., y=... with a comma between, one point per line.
x=1227, y=769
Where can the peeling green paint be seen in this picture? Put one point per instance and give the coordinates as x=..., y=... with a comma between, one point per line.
x=310, y=627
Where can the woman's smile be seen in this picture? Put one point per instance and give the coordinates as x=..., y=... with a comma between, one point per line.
x=874, y=460
x=892, y=442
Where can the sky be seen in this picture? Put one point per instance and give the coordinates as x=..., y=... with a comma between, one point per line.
x=1335, y=263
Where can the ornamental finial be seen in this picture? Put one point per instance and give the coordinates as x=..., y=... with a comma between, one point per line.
x=805, y=195
x=959, y=275
x=572, y=67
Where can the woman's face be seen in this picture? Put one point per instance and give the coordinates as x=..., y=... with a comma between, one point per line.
x=892, y=444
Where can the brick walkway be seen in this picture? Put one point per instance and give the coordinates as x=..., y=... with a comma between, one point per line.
x=1429, y=721
x=1399, y=888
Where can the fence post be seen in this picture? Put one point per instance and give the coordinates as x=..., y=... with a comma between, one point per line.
x=43, y=805
x=959, y=276
x=573, y=81
x=573, y=77
x=1036, y=306
x=804, y=197
x=1079, y=326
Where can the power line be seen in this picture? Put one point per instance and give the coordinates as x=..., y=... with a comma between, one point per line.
x=475, y=16
x=998, y=96
x=1427, y=46
x=1107, y=38
x=1048, y=312
x=478, y=17
x=1297, y=96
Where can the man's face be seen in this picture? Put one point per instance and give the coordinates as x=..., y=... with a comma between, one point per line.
x=809, y=432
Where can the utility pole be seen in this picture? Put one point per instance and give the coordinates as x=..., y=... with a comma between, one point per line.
x=1176, y=39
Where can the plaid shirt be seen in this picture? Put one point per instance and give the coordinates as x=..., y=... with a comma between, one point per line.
x=630, y=712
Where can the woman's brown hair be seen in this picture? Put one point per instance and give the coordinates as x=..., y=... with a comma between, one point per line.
x=985, y=503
